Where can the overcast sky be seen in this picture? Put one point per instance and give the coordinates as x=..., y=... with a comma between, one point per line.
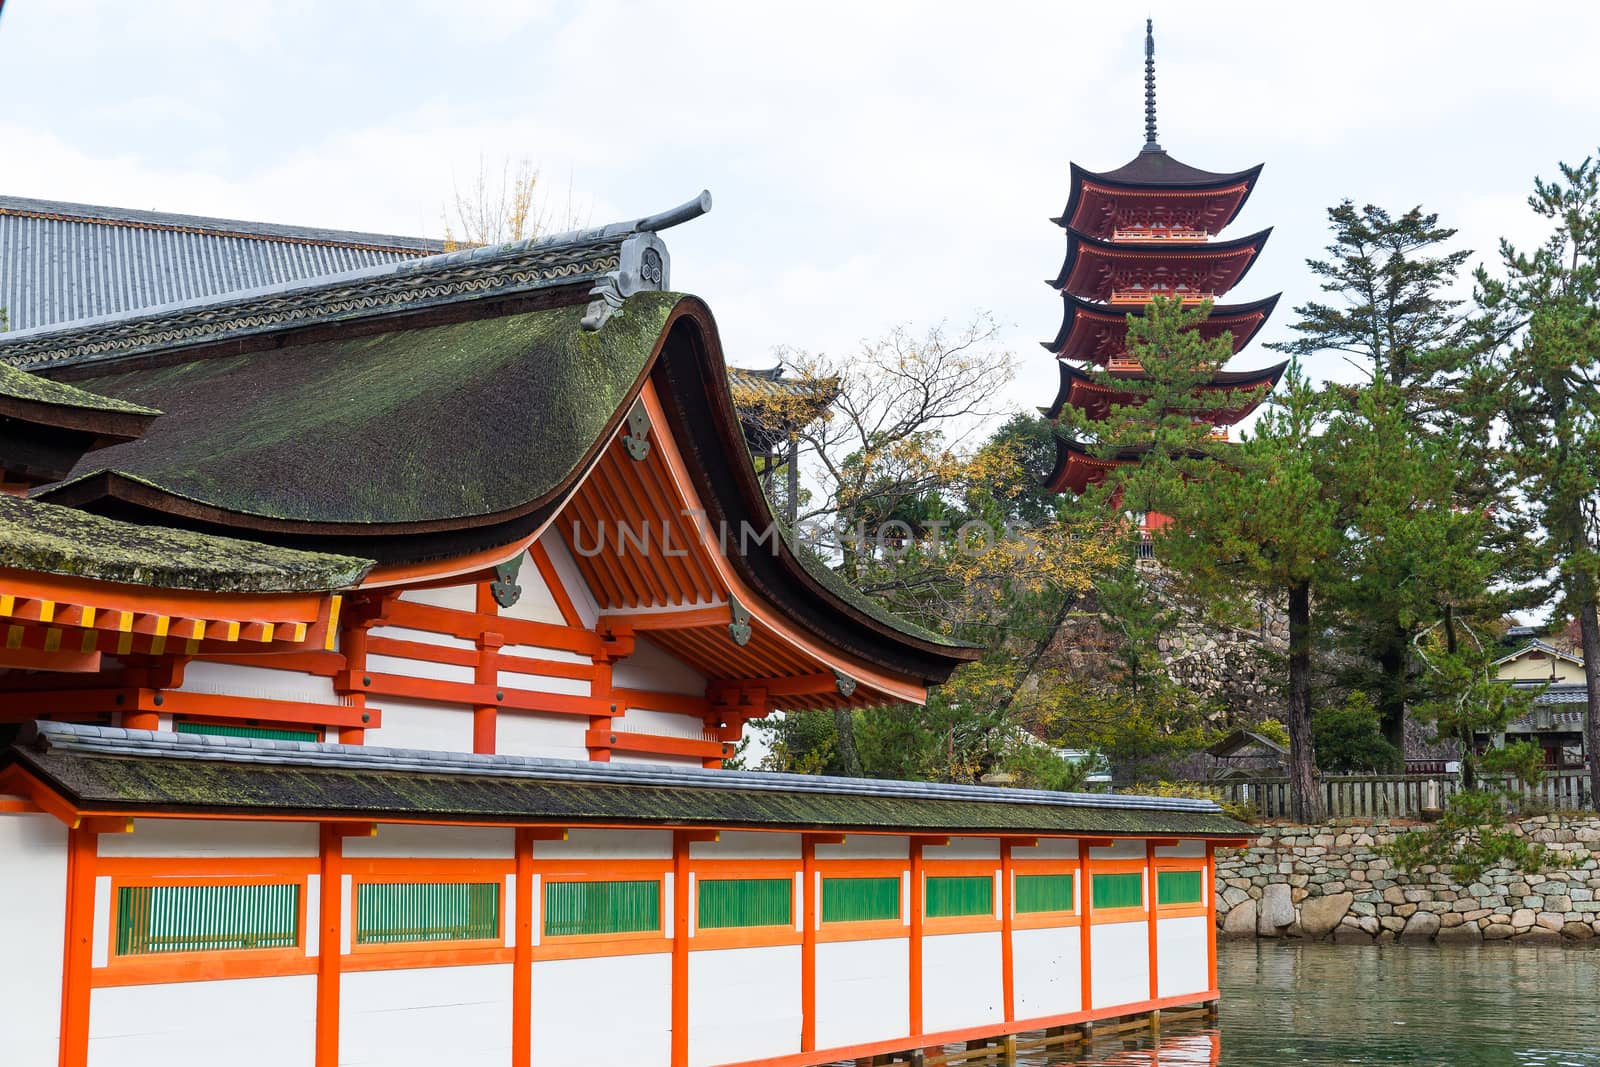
x=872, y=163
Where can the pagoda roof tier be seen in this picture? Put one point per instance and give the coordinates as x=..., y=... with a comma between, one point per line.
x=1095, y=396
x=1134, y=271
x=1077, y=468
x=1097, y=333
x=1154, y=190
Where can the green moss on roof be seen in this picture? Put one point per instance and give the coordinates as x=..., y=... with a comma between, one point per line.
x=36, y=536
x=184, y=785
x=21, y=385
x=438, y=422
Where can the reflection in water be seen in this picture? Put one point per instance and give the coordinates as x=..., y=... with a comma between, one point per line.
x=1331, y=1006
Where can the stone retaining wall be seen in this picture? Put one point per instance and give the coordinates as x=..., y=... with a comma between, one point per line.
x=1330, y=882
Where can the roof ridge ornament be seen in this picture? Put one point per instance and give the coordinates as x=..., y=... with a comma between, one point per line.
x=1150, y=144
x=644, y=263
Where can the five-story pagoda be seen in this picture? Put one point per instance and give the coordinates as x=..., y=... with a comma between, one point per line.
x=1135, y=233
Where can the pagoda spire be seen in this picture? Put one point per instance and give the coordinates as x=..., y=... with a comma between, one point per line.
x=1150, y=144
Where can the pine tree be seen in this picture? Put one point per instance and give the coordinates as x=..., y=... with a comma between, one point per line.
x=1538, y=359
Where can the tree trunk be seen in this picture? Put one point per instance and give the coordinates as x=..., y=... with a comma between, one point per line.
x=1393, y=661
x=1589, y=628
x=844, y=742
x=1469, y=770
x=1303, y=794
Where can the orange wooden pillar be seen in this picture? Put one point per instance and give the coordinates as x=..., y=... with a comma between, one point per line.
x=915, y=904
x=1210, y=889
x=522, y=955
x=809, y=905
x=1008, y=963
x=680, y=946
x=353, y=644
x=78, y=951
x=1086, y=926
x=1152, y=897
x=329, y=943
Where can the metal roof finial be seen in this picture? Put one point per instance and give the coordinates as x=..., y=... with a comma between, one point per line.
x=1150, y=144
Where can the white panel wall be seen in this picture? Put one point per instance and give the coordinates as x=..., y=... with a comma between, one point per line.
x=608, y=844
x=536, y=602
x=655, y=759
x=1049, y=972
x=459, y=1016
x=540, y=683
x=459, y=597
x=434, y=842
x=1182, y=966
x=532, y=733
x=1048, y=848
x=1119, y=957
x=203, y=677
x=609, y=1012
x=420, y=724
x=651, y=667
x=1185, y=849
x=420, y=668
x=205, y=837
x=33, y=915
x=863, y=991
x=426, y=637
x=571, y=579
x=747, y=845
x=965, y=848
x=727, y=1024
x=867, y=847
x=961, y=981
x=660, y=724
x=246, y=1022
x=1120, y=850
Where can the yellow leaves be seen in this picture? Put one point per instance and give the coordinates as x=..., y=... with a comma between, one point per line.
x=508, y=206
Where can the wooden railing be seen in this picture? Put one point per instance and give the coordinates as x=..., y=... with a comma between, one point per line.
x=1396, y=796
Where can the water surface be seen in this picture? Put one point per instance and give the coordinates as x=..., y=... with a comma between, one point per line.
x=1328, y=1006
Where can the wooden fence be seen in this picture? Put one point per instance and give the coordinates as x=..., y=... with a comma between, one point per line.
x=1395, y=796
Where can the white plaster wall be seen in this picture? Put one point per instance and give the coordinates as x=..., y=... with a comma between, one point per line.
x=1182, y=965
x=1049, y=971
x=1185, y=849
x=1120, y=963
x=245, y=1022
x=1048, y=848
x=614, y=1011
x=747, y=845
x=542, y=683
x=655, y=759
x=867, y=847
x=203, y=677
x=652, y=667
x=420, y=668
x=863, y=991
x=459, y=1016
x=421, y=724
x=425, y=637
x=459, y=597
x=33, y=916
x=965, y=848
x=727, y=1024
x=536, y=602
x=405, y=841
x=207, y=837
x=572, y=582
x=608, y=844
x=660, y=724
x=1119, y=850
x=962, y=981
x=532, y=733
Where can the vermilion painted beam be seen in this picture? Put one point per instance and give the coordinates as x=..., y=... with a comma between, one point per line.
x=670, y=746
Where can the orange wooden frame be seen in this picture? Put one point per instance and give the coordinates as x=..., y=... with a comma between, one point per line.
x=789, y=933
x=1098, y=916
x=990, y=922
x=397, y=871
x=866, y=929
x=584, y=946
x=1041, y=920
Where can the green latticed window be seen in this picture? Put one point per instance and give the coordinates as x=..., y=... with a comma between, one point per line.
x=1043, y=892
x=853, y=900
x=1178, y=887
x=206, y=918
x=1119, y=890
x=948, y=897
x=730, y=902
x=572, y=908
x=393, y=913
x=217, y=729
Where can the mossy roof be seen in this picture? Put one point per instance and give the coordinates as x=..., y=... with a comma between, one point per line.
x=37, y=536
x=20, y=385
x=427, y=424
x=99, y=771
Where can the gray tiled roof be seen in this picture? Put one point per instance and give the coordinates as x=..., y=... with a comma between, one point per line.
x=60, y=262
